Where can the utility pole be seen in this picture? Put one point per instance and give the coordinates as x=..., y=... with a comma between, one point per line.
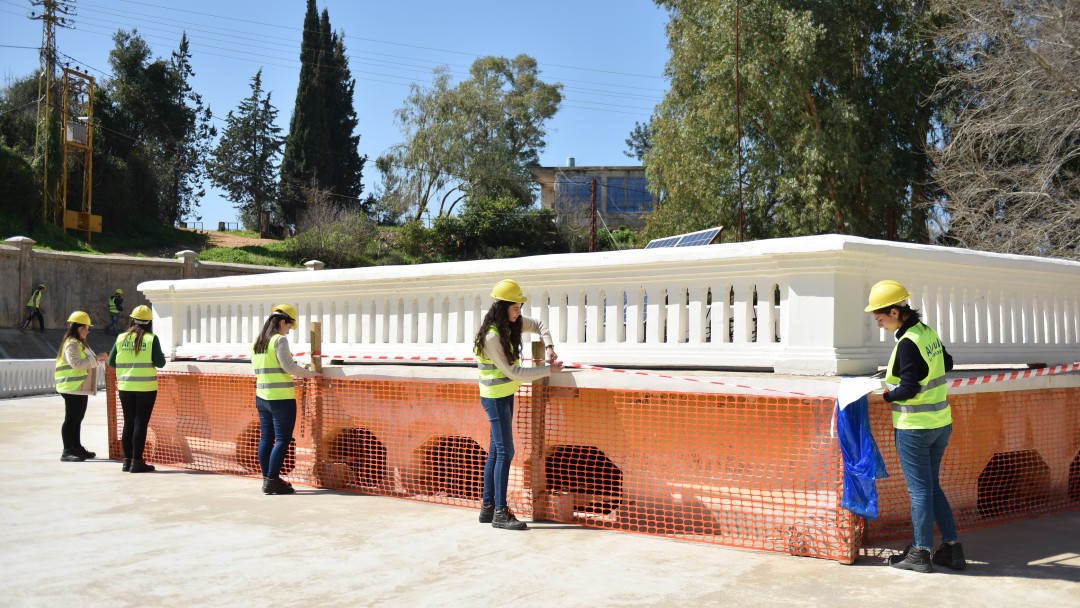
x=592, y=215
x=77, y=123
x=53, y=13
x=738, y=125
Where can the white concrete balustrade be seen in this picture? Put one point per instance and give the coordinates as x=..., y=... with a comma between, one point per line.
x=791, y=305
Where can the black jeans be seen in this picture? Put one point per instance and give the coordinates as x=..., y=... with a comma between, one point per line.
x=138, y=406
x=74, y=411
x=30, y=317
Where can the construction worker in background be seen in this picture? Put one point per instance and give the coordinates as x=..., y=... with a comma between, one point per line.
x=33, y=308
x=922, y=420
x=116, y=309
x=76, y=381
x=136, y=355
x=498, y=354
x=275, y=395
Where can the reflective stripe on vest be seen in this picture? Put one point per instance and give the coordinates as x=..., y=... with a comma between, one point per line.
x=493, y=383
x=67, y=379
x=272, y=382
x=929, y=409
x=135, y=372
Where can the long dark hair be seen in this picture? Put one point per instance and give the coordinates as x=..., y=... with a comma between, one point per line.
x=509, y=333
x=268, y=330
x=72, y=332
x=139, y=329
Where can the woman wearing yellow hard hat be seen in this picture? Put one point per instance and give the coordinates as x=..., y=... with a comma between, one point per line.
x=498, y=353
x=76, y=380
x=136, y=355
x=922, y=420
x=275, y=395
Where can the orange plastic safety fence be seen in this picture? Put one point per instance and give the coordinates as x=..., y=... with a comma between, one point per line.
x=744, y=471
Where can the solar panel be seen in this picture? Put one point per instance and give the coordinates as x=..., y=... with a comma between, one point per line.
x=690, y=239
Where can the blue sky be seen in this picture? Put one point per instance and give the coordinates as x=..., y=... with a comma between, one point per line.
x=608, y=54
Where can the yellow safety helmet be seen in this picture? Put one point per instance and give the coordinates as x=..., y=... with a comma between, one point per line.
x=886, y=293
x=287, y=310
x=508, y=290
x=120, y=291
x=80, y=317
x=142, y=313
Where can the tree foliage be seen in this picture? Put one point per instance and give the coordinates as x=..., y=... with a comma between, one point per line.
x=322, y=146
x=832, y=108
x=474, y=139
x=245, y=159
x=1010, y=168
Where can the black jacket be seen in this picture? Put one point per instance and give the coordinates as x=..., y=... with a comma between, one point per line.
x=909, y=365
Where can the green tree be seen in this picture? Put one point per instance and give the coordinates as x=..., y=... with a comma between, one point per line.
x=476, y=139
x=832, y=105
x=1010, y=166
x=244, y=161
x=18, y=115
x=322, y=147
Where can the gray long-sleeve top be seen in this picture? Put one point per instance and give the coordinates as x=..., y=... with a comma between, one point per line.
x=285, y=359
x=493, y=350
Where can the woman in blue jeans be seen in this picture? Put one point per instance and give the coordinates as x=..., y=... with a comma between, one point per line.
x=498, y=353
x=275, y=395
x=922, y=420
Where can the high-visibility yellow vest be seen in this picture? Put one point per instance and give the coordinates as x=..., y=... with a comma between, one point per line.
x=135, y=372
x=112, y=305
x=493, y=383
x=68, y=380
x=272, y=382
x=35, y=299
x=929, y=409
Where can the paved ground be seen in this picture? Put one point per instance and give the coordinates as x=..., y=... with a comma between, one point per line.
x=86, y=534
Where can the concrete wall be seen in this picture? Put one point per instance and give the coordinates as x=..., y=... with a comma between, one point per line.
x=79, y=281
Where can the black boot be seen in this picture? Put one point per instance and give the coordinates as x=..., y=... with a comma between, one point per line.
x=127, y=465
x=504, y=519
x=950, y=556
x=71, y=456
x=487, y=513
x=138, y=465
x=277, y=486
x=917, y=560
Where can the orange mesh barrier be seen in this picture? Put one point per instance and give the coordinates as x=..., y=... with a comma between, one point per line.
x=744, y=471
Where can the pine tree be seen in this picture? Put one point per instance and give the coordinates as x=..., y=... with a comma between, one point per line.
x=244, y=160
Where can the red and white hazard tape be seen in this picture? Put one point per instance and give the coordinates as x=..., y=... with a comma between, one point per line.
x=957, y=383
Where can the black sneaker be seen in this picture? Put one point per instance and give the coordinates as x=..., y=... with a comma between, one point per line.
x=85, y=453
x=504, y=518
x=140, y=466
x=277, y=486
x=950, y=556
x=71, y=456
x=914, y=559
x=487, y=513
x=127, y=465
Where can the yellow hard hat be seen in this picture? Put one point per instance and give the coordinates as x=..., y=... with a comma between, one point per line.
x=508, y=290
x=886, y=293
x=80, y=317
x=287, y=310
x=142, y=313
x=120, y=291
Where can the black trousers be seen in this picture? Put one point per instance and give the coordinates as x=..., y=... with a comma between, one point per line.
x=30, y=317
x=138, y=406
x=74, y=412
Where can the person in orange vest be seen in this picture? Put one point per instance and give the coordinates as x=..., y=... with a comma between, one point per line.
x=76, y=380
x=33, y=309
x=922, y=418
x=275, y=395
x=498, y=354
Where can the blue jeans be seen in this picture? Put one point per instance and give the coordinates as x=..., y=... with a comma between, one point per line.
x=500, y=413
x=920, y=452
x=277, y=417
x=114, y=322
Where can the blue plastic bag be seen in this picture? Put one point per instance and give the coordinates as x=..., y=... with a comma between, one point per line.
x=863, y=464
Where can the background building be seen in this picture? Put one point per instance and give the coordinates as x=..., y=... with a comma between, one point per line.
x=622, y=194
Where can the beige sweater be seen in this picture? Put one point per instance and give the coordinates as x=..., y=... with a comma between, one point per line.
x=90, y=363
x=493, y=350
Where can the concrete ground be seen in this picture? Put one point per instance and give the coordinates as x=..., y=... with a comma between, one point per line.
x=86, y=534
